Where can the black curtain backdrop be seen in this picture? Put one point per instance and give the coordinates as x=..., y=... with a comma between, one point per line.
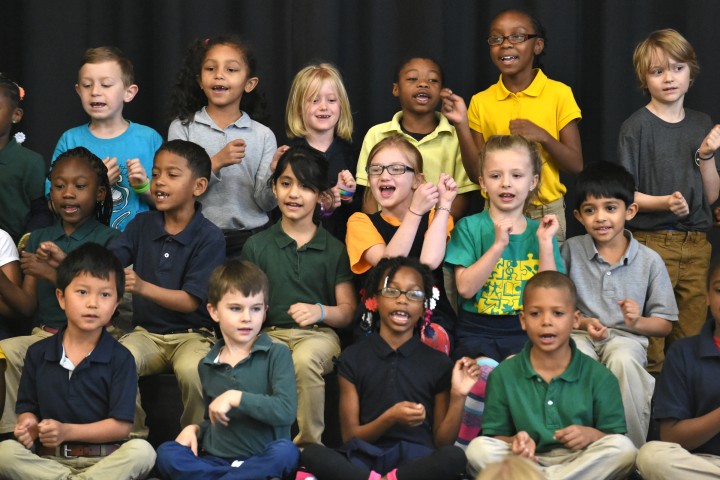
x=589, y=47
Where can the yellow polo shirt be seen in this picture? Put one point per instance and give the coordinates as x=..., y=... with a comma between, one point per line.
x=440, y=150
x=547, y=103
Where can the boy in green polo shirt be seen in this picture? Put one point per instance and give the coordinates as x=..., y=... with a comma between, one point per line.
x=552, y=403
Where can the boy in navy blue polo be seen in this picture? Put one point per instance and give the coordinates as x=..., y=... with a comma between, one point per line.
x=687, y=403
x=173, y=250
x=75, y=403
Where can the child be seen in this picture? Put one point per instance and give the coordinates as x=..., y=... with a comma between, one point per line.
x=673, y=208
x=310, y=282
x=78, y=387
x=418, y=81
x=496, y=251
x=10, y=289
x=249, y=390
x=318, y=114
x=173, y=249
x=217, y=116
x=624, y=289
x=106, y=82
x=551, y=403
x=22, y=171
x=415, y=220
x=400, y=424
x=80, y=196
x=686, y=403
x=523, y=102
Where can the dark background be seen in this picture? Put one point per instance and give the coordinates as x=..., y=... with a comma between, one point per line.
x=589, y=47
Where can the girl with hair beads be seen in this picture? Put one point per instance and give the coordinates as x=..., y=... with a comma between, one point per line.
x=318, y=114
x=399, y=425
x=214, y=99
x=524, y=102
x=81, y=198
x=22, y=171
x=415, y=220
x=493, y=254
x=311, y=288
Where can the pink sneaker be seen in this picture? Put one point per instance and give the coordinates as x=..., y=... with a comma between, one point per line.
x=305, y=476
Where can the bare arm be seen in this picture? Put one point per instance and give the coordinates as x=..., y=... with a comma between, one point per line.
x=53, y=433
x=708, y=170
x=566, y=151
x=449, y=405
x=692, y=432
x=175, y=300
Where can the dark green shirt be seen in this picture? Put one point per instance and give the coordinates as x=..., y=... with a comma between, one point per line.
x=518, y=399
x=268, y=405
x=307, y=274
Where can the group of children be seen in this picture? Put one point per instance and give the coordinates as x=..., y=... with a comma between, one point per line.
x=219, y=230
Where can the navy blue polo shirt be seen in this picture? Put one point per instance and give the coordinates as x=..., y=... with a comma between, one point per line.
x=102, y=386
x=688, y=387
x=176, y=262
x=383, y=377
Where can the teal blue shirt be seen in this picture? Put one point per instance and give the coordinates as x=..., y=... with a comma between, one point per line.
x=518, y=399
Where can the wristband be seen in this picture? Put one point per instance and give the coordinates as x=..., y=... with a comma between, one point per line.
x=414, y=213
x=142, y=188
x=322, y=311
x=443, y=208
x=704, y=159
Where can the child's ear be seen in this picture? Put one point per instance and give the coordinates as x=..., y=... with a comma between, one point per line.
x=213, y=312
x=539, y=46
x=101, y=194
x=395, y=90
x=576, y=320
x=130, y=93
x=251, y=83
x=201, y=185
x=60, y=297
x=631, y=211
x=577, y=215
x=536, y=180
x=17, y=115
x=522, y=320
x=419, y=180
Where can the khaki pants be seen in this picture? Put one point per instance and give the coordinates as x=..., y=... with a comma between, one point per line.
x=557, y=208
x=179, y=353
x=313, y=350
x=663, y=460
x=613, y=456
x=134, y=459
x=15, y=349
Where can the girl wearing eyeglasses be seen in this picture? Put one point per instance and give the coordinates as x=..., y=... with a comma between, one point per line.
x=415, y=219
x=524, y=102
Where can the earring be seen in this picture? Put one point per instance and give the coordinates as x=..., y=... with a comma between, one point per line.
x=14, y=121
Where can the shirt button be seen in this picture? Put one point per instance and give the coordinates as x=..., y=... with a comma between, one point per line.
x=167, y=255
x=608, y=273
x=539, y=380
x=550, y=402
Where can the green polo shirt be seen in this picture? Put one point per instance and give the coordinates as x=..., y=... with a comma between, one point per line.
x=518, y=399
x=268, y=405
x=307, y=274
x=48, y=310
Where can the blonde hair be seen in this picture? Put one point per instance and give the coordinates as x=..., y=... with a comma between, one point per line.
x=672, y=45
x=511, y=468
x=512, y=142
x=401, y=143
x=305, y=86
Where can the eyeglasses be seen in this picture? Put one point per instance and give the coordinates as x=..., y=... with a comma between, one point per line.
x=393, y=169
x=414, y=295
x=514, y=38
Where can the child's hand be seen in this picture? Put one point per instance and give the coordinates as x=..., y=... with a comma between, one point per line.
x=424, y=198
x=503, y=229
x=447, y=190
x=276, y=157
x=330, y=200
x=631, y=312
x=231, y=154
x=716, y=214
x=408, y=413
x=524, y=446
x=711, y=142
x=595, y=328
x=133, y=283
x=464, y=376
x=26, y=430
x=189, y=437
x=136, y=172
x=346, y=185
x=32, y=265
x=305, y=314
x=529, y=130
x=549, y=226
x=678, y=205
x=113, y=169
x=50, y=253
x=218, y=408
x=51, y=432
x=453, y=106
x=576, y=437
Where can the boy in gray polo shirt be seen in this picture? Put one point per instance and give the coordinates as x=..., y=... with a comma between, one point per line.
x=624, y=290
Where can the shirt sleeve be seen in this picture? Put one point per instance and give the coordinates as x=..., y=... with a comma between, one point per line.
x=178, y=131
x=674, y=389
x=264, y=196
x=361, y=235
x=123, y=388
x=497, y=419
x=568, y=109
x=461, y=250
x=660, y=299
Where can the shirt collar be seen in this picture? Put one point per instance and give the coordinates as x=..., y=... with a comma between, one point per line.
x=384, y=350
x=707, y=344
x=395, y=127
x=283, y=240
x=186, y=236
x=204, y=118
x=571, y=373
x=592, y=253
x=262, y=344
x=533, y=90
x=102, y=352
x=79, y=234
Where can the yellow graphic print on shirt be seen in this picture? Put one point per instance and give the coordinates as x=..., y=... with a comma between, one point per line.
x=502, y=293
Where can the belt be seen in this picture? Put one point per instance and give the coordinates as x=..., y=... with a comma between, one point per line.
x=49, y=329
x=205, y=332
x=71, y=450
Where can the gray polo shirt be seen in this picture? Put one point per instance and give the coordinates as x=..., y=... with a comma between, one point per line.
x=640, y=274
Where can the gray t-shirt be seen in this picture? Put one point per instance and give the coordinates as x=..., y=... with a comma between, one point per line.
x=661, y=157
